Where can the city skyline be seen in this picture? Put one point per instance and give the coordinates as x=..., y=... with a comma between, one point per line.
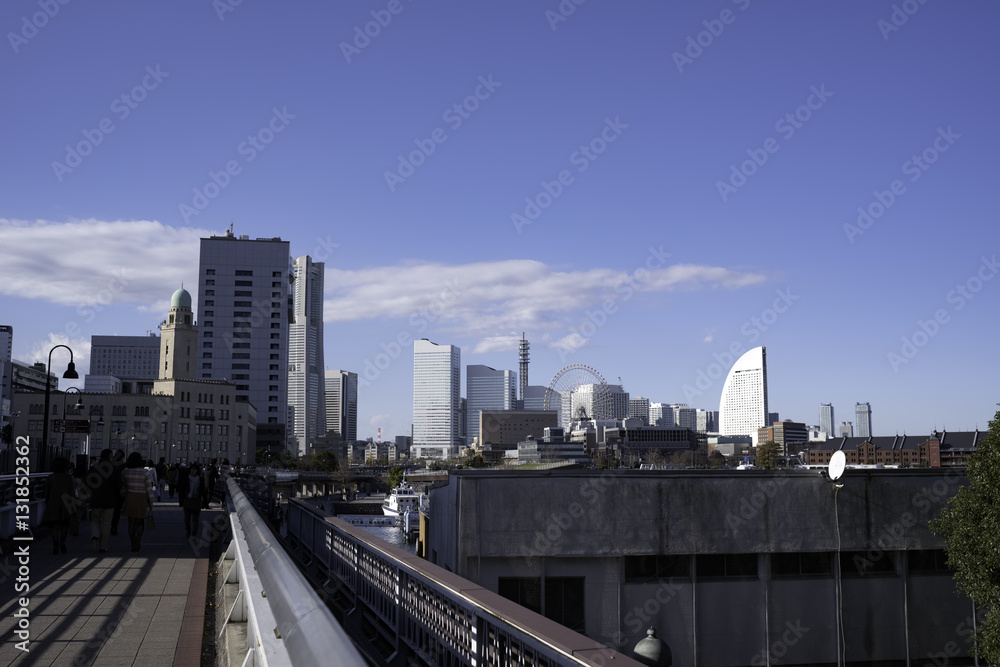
x=710, y=180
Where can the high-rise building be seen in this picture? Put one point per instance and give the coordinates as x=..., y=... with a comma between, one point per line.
x=846, y=430
x=661, y=414
x=535, y=398
x=743, y=405
x=684, y=416
x=638, y=408
x=135, y=360
x=707, y=421
x=523, y=356
x=6, y=372
x=587, y=402
x=244, y=310
x=486, y=389
x=306, y=404
x=342, y=404
x=826, y=421
x=437, y=377
x=863, y=418
x=6, y=342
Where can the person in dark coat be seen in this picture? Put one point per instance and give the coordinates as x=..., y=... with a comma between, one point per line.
x=60, y=501
x=193, y=495
x=173, y=472
x=119, y=463
x=103, y=501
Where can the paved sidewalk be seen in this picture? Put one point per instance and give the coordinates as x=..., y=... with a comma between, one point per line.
x=112, y=609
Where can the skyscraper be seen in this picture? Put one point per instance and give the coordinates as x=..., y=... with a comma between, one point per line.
x=244, y=310
x=306, y=404
x=342, y=404
x=437, y=377
x=487, y=389
x=863, y=418
x=639, y=408
x=661, y=414
x=846, y=430
x=826, y=421
x=6, y=373
x=743, y=405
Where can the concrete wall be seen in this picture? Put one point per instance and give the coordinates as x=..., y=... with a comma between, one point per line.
x=489, y=524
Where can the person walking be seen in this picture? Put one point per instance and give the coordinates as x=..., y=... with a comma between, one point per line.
x=161, y=477
x=119, y=463
x=150, y=469
x=60, y=501
x=173, y=472
x=138, y=497
x=103, y=500
x=193, y=494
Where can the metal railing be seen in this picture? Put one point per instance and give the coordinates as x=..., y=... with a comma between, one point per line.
x=287, y=621
x=412, y=611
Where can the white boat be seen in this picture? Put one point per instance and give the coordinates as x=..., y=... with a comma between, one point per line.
x=403, y=499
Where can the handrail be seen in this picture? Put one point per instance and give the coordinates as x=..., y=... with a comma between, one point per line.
x=307, y=628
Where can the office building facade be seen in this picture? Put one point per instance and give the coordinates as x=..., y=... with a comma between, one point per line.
x=306, y=382
x=826, y=422
x=437, y=376
x=342, y=405
x=863, y=419
x=486, y=389
x=743, y=405
x=244, y=310
x=132, y=359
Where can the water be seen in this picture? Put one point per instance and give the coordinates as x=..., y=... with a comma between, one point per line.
x=390, y=534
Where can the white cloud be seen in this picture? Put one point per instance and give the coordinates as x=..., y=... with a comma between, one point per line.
x=39, y=351
x=91, y=263
x=484, y=298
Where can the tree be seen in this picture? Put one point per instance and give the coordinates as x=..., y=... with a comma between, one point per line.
x=716, y=459
x=970, y=524
x=324, y=461
x=395, y=476
x=767, y=455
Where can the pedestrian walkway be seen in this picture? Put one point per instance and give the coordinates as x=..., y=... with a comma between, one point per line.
x=110, y=609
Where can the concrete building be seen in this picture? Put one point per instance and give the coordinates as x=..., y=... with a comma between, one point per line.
x=647, y=440
x=863, y=418
x=535, y=398
x=342, y=404
x=506, y=428
x=244, y=311
x=729, y=568
x=743, y=406
x=6, y=372
x=592, y=401
x=306, y=386
x=134, y=360
x=661, y=414
x=684, y=416
x=437, y=401
x=486, y=389
x=783, y=434
x=638, y=408
x=826, y=419
x=846, y=430
x=706, y=421
x=552, y=446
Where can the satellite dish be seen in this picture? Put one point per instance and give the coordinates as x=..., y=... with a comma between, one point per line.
x=837, y=464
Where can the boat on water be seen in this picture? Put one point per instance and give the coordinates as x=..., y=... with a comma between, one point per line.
x=401, y=500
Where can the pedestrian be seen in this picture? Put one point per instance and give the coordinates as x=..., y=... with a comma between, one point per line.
x=173, y=472
x=161, y=477
x=138, y=487
x=153, y=478
x=213, y=478
x=193, y=494
x=119, y=464
x=103, y=500
x=60, y=502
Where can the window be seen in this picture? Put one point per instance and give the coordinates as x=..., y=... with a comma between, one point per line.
x=726, y=565
x=644, y=568
x=243, y=293
x=927, y=562
x=244, y=272
x=210, y=282
x=564, y=602
x=241, y=355
x=859, y=563
x=525, y=591
x=210, y=303
x=142, y=411
x=210, y=292
x=801, y=564
x=276, y=274
x=209, y=272
x=241, y=313
x=244, y=283
x=209, y=313
x=206, y=355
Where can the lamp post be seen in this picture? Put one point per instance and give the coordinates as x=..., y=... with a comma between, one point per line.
x=70, y=374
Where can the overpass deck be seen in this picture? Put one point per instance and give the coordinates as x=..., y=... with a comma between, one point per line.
x=110, y=609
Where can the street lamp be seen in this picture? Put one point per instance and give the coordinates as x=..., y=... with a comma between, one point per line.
x=70, y=374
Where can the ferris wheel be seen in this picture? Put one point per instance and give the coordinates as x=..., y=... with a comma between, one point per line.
x=578, y=392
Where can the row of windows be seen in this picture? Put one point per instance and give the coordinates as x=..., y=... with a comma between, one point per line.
x=852, y=564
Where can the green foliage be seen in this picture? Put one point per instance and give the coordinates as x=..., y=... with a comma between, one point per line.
x=395, y=476
x=970, y=525
x=767, y=455
x=716, y=460
x=476, y=461
x=324, y=461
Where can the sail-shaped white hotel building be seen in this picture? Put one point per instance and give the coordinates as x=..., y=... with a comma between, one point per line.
x=743, y=406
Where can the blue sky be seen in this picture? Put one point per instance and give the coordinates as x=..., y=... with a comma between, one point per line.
x=714, y=154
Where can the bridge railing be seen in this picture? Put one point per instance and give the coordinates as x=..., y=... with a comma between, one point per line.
x=287, y=622
x=419, y=612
